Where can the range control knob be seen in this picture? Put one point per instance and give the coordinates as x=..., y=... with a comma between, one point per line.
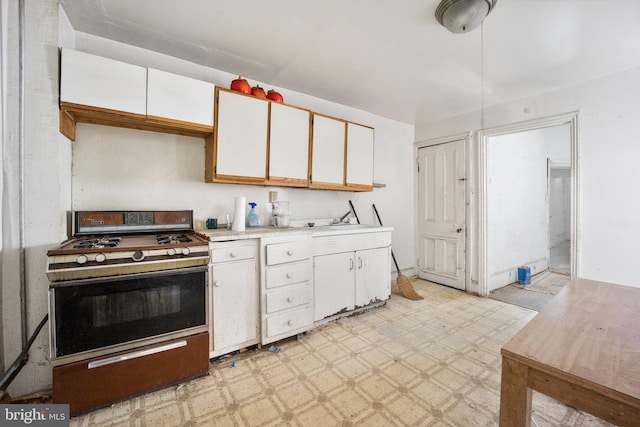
x=171, y=251
x=138, y=256
x=185, y=251
x=101, y=257
x=82, y=259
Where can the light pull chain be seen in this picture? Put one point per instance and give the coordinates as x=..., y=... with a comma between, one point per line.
x=482, y=75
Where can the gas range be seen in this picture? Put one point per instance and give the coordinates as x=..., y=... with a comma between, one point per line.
x=127, y=298
x=111, y=243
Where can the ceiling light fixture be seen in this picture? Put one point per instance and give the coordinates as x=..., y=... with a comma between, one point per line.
x=462, y=16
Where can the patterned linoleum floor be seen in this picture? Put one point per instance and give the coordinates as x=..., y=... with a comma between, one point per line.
x=434, y=362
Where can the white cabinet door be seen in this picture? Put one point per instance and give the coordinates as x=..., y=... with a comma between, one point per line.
x=359, y=155
x=180, y=98
x=373, y=272
x=288, y=145
x=327, y=168
x=333, y=284
x=234, y=306
x=241, y=135
x=101, y=82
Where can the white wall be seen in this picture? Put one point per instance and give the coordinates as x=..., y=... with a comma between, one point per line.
x=517, y=200
x=608, y=150
x=46, y=165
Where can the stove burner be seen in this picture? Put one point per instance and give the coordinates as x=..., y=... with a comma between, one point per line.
x=98, y=243
x=165, y=239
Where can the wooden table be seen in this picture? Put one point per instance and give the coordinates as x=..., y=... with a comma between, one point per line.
x=582, y=349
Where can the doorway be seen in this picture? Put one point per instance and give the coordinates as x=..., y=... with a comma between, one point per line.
x=515, y=225
x=559, y=218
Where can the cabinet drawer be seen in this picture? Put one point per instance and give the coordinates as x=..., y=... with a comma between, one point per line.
x=291, y=296
x=278, y=253
x=84, y=388
x=289, y=320
x=232, y=253
x=287, y=274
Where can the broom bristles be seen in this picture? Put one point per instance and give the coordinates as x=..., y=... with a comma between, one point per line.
x=406, y=288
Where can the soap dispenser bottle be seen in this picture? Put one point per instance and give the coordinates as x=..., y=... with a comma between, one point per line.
x=253, y=220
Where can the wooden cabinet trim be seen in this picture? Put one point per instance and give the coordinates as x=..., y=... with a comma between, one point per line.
x=75, y=113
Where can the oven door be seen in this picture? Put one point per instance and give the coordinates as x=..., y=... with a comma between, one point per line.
x=94, y=317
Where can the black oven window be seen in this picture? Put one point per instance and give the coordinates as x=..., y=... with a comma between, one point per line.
x=130, y=306
x=119, y=310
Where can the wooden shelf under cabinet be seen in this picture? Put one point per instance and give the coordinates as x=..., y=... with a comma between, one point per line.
x=70, y=114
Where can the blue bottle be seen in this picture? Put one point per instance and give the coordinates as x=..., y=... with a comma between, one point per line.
x=253, y=220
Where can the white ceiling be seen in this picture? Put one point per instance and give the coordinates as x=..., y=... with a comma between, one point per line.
x=388, y=57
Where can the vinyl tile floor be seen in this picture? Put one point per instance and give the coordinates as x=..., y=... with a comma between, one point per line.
x=434, y=362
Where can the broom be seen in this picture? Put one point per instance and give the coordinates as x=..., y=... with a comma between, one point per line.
x=404, y=285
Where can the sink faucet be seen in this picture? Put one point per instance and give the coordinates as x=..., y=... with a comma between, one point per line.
x=342, y=218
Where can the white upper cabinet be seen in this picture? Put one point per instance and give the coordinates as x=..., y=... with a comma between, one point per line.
x=360, y=141
x=328, y=143
x=288, y=145
x=176, y=97
x=101, y=82
x=240, y=137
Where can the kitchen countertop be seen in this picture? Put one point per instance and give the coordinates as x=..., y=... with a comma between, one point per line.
x=224, y=234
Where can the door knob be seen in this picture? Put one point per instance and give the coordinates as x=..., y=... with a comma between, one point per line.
x=459, y=230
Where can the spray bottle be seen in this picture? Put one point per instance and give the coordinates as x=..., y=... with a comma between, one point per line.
x=253, y=219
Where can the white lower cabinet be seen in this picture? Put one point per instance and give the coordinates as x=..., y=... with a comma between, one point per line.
x=287, y=287
x=349, y=272
x=234, y=294
x=266, y=289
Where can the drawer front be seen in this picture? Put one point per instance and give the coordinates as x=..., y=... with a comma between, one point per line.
x=289, y=297
x=279, y=253
x=85, y=388
x=232, y=253
x=287, y=274
x=325, y=245
x=290, y=320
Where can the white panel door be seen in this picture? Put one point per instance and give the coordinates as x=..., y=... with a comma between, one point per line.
x=328, y=151
x=359, y=154
x=102, y=82
x=176, y=97
x=289, y=142
x=241, y=135
x=441, y=213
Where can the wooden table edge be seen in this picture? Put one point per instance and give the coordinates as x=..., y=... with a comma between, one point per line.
x=576, y=392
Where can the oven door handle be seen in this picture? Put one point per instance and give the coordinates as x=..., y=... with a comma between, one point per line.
x=136, y=354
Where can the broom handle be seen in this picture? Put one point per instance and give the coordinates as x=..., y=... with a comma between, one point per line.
x=380, y=221
x=354, y=211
